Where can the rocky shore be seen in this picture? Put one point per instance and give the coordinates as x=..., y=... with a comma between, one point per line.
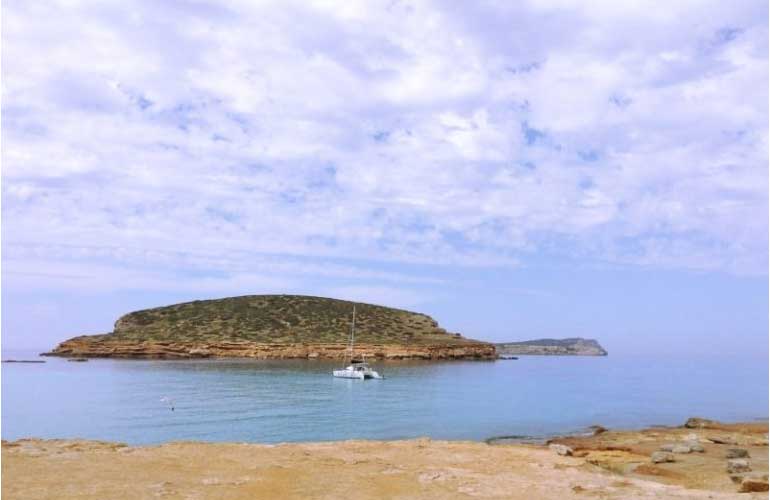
x=702, y=454
x=88, y=347
x=704, y=460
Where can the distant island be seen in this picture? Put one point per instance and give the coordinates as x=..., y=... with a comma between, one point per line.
x=552, y=347
x=274, y=327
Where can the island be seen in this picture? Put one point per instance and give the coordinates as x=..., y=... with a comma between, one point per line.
x=552, y=347
x=275, y=327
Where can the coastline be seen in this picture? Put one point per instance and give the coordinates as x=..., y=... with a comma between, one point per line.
x=609, y=464
x=87, y=348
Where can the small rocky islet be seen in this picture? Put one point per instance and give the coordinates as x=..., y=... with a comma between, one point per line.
x=575, y=346
x=275, y=327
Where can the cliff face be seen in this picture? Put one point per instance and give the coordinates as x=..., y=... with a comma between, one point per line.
x=86, y=347
x=275, y=327
x=553, y=347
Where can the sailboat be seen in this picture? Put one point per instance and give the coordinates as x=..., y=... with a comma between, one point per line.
x=357, y=369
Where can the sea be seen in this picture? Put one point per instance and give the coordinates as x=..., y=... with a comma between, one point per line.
x=235, y=400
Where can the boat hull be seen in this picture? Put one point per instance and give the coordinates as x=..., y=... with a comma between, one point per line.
x=357, y=374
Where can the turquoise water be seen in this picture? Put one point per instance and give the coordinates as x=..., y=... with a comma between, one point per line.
x=277, y=401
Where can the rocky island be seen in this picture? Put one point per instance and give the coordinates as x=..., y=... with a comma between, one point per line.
x=552, y=347
x=274, y=327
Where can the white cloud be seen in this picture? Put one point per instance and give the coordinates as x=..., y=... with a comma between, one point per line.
x=396, y=133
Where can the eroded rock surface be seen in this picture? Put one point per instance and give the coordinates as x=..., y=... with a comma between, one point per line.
x=700, y=461
x=366, y=470
x=85, y=347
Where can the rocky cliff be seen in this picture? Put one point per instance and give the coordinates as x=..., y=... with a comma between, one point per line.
x=552, y=347
x=275, y=327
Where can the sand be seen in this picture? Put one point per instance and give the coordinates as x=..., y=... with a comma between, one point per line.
x=612, y=465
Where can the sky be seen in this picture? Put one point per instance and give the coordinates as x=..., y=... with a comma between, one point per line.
x=514, y=169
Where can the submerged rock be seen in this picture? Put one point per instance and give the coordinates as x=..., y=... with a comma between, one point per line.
x=514, y=439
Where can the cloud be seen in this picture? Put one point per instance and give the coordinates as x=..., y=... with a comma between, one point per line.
x=417, y=134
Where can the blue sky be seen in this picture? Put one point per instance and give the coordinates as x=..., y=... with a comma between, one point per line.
x=515, y=169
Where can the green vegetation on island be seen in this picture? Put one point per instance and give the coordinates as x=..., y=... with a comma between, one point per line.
x=278, y=319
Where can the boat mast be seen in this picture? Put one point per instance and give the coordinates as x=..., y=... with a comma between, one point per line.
x=352, y=333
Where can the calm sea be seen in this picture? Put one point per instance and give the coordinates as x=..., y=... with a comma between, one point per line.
x=276, y=401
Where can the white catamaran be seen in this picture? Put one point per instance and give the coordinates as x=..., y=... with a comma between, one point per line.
x=357, y=369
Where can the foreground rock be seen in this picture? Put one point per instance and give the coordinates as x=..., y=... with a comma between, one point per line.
x=685, y=447
x=738, y=465
x=679, y=456
x=661, y=457
x=754, y=483
x=701, y=423
x=561, y=449
x=552, y=347
x=275, y=327
x=737, y=453
x=424, y=469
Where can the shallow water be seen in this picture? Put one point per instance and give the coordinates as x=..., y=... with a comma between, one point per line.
x=276, y=401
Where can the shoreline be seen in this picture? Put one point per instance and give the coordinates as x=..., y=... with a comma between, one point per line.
x=607, y=464
x=86, y=347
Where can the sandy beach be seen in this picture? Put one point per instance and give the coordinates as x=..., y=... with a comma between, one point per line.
x=612, y=464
